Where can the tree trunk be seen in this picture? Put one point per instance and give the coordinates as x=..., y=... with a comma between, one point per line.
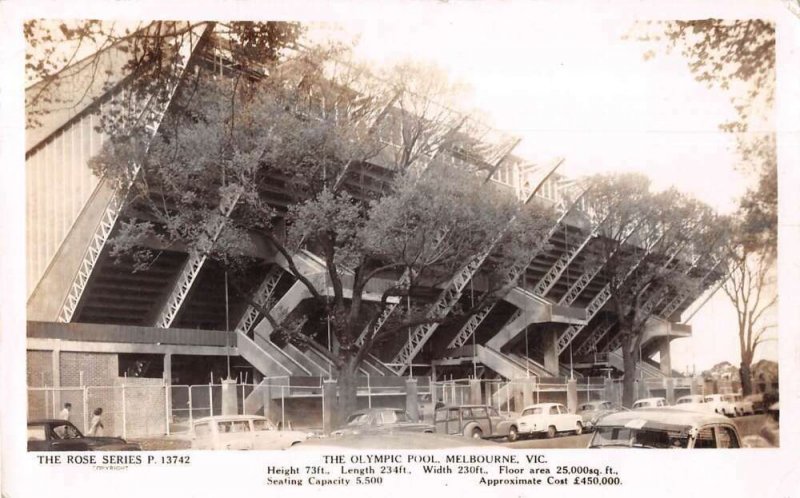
x=347, y=383
x=744, y=376
x=629, y=378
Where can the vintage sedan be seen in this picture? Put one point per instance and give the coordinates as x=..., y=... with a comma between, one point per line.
x=743, y=406
x=592, y=411
x=475, y=421
x=649, y=403
x=549, y=419
x=722, y=404
x=61, y=435
x=665, y=428
x=693, y=402
x=381, y=420
x=241, y=432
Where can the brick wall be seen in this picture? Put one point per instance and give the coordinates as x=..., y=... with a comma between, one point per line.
x=39, y=373
x=99, y=369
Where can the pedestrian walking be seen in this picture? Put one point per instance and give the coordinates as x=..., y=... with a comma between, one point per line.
x=65, y=412
x=96, y=427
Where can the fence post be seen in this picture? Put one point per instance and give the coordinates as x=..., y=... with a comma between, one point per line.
x=210, y=401
x=369, y=392
x=283, y=410
x=191, y=420
x=85, y=408
x=166, y=406
x=124, y=424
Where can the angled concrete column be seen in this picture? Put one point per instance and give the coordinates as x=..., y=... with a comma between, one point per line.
x=519, y=396
x=328, y=406
x=230, y=405
x=669, y=383
x=475, y=392
x=664, y=353
x=412, y=403
x=572, y=395
x=527, y=394
x=551, y=351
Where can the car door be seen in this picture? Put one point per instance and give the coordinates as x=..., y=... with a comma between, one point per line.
x=267, y=437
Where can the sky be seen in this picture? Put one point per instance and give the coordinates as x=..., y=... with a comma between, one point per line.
x=578, y=90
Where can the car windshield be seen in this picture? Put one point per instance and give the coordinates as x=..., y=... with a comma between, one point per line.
x=394, y=416
x=637, y=438
x=532, y=411
x=358, y=419
x=66, y=431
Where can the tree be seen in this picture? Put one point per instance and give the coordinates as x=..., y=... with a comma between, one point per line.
x=228, y=141
x=145, y=53
x=738, y=57
x=649, y=245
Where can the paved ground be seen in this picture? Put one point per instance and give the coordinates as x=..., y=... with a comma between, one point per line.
x=746, y=425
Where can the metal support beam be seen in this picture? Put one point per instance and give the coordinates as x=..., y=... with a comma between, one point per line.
x=151, y=117
x=193, y=265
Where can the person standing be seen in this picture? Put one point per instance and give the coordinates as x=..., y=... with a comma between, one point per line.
x=96, y=427
x=64, y=415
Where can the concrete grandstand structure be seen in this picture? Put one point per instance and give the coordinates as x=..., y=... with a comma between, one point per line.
x=169, y=320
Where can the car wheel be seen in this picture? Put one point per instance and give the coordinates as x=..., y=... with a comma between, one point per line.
x=513, y=435
x=476, y=433
x=579, y=429
x=551, y=432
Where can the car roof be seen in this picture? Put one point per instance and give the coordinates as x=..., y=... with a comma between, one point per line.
x=662, y=418
x=649, y=399
x=379, y=409
x=45, y=421
x=227, y=418
x=691, y=396
x=543, y=405
x=463, y=406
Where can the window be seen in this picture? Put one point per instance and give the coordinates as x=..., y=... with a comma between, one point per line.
x=606, y=406
x=263, y=425
x=467, y=413
x=36, y=433
x=553, y=410
x=705, y=438
x=532, y=411
x=234, y=426
x=479, y=412
x=727, y=437
x=493, y=412
x=452, y=414
x=440, y=415
x=65, y=431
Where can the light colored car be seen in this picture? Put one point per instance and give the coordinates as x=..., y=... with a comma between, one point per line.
x=665, y=428
x=757, y=400
x=550, y=419
x=693, y=402
x=592, y=411
x=381, y=420
x=722, y=404
x=742, y=406
x=650, y=403
x=241, y=432
x=476, y=421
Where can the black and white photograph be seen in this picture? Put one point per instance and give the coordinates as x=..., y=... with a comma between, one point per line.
x=356, y=242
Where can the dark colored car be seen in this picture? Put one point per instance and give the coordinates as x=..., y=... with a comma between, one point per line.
x=476, y=421
x=381, y=421
x=61, y=435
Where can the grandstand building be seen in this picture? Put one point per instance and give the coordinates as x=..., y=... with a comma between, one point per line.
x=92, y=321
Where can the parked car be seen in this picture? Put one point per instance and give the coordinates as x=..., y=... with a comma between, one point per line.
x=665, y=428
x=61, y=435
x=742, y=406
x=381, y=420
x=550, y=419
x=757, y=400
x=650, y=403
x=592, y=411
x=722, y=404
x=476, y=421
x=241, y=432
x=694, y=402
x=397, y=441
